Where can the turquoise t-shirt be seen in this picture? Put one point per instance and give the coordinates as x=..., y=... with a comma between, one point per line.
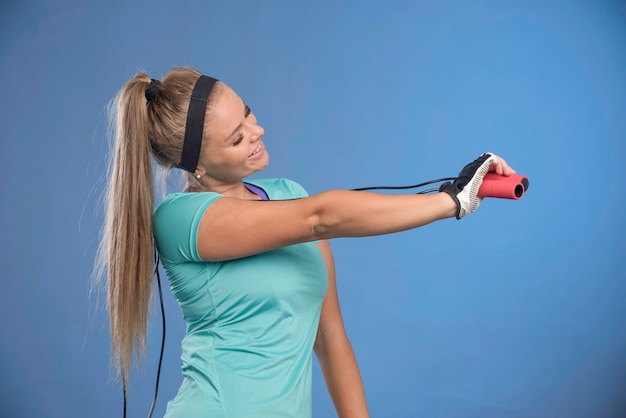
x=251, y=322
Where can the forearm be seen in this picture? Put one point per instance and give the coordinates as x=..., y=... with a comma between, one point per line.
x=342, y=376
x=355, y=214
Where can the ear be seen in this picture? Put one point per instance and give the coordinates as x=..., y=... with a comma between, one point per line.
x=199, y=173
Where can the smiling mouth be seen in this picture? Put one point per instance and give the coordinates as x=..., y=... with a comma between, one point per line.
x=257, y=150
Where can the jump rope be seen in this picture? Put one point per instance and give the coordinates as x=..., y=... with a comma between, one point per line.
x=493, y=185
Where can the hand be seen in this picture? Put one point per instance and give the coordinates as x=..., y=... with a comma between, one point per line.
x=464, y=190
x=499, y=166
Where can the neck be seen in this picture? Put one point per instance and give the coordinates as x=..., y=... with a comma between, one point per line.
x=237, y=190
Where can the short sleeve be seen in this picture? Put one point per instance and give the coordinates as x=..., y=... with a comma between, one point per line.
x=175, y=225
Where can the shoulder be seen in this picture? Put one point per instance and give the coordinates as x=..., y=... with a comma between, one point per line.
x=175, y=222
x=280, y=188
x=177, y=204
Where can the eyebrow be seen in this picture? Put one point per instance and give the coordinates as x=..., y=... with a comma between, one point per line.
x=245, y=110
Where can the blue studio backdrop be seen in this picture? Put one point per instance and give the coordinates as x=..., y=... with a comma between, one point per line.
x=515, y=311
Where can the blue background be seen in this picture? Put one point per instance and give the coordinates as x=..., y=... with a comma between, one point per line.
x=516, y=311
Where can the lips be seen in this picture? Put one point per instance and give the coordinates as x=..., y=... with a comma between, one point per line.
x=258, y=150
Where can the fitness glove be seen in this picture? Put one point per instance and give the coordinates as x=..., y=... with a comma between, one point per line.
x=464, y=190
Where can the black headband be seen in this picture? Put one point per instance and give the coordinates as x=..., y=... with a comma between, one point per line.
x=195, y=123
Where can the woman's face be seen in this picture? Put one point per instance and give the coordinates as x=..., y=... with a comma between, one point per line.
x=234, y=150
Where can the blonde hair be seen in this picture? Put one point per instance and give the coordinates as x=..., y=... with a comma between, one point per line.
x=142, y=132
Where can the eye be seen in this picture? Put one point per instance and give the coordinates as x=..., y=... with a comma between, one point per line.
x=238, y=140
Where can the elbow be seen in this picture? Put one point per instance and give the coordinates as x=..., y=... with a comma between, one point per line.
x=319, y=229
x=333, y=343
x=324, y=221
x=320, y=346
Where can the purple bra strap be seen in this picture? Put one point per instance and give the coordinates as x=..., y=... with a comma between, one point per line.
x=257, y=191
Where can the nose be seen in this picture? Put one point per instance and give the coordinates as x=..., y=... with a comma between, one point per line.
x=260, y=131
x=257, y=129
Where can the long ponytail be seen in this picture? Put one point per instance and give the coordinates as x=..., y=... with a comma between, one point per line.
x=127, y=247
x=142, y=132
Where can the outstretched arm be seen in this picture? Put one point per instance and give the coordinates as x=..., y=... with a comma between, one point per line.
x=233, y=228
x=334, y=352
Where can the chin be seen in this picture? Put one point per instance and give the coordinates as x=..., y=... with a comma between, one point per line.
x=265, y=162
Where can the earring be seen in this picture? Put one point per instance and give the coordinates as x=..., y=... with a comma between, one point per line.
x=198, y=176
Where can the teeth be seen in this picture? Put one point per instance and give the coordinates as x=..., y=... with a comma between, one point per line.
x=258, y=148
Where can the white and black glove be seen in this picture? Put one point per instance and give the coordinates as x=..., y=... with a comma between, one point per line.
x=464, y=190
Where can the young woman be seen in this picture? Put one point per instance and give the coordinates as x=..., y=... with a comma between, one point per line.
x=248, y=261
